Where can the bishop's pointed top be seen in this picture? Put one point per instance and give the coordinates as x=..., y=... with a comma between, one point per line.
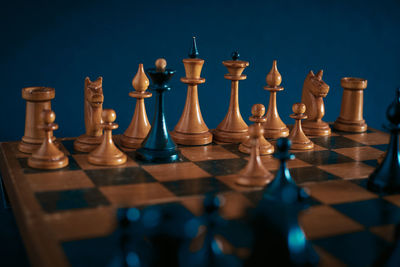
x=194, y=53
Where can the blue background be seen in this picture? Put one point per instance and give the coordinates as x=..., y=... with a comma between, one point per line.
x=58, y=44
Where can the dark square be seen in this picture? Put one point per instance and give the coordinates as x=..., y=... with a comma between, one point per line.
x=360, y=182
x=349, y=133
x=234, y=148
x=72, y=166
x=119, y=176
x=323, y=157
x=335, y=142
x=69, y=145
x=382, y=147
x=371, y=212
x=199, y=186
x=311, y=174
x=54, y=201
x=354, y=249
x=222, y=166
x=371, y=162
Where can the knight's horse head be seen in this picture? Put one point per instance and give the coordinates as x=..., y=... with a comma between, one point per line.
x=315, y=85
x=94, y=92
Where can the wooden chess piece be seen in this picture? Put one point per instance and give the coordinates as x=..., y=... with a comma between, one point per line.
x=191, y=128
x=386, y=177
x=93, y=107
x=233, y=129
x=265, y=147
x=158, y=145
x=139, y=127
x=314, y=90
x=274, y=126
x=107, y=153
x=48, y=156
x=351, y=112
x=37, y=100
x=254, y=174
x=299, y=140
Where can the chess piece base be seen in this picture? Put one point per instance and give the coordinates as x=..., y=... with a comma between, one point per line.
x=107, y=161
x=86, y=143
x=30, y=145
x=316, y=128
x=302, y=146
x=254, y=181
x=48, y=164
x=160, y=156
x=230, y=137
x=192, y=139
x=131, y=142
x=276, y=133
x=347, y=126
x=264, y=150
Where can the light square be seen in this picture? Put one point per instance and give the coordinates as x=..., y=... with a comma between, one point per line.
x=82, y=160
x=175, y=171
x=212, y=152
x=348, y=170
x=360, y=153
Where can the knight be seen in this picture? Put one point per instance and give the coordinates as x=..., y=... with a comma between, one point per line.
x=314, y=90
x=93, y=108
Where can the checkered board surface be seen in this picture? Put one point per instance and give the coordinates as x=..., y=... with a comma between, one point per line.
x=64, y=214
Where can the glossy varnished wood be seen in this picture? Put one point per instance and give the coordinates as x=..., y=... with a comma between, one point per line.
x=351, y=112
x=299, y=140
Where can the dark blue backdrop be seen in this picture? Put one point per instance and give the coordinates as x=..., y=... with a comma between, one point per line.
x=58, y=44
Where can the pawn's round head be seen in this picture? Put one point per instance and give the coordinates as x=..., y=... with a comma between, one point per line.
x=283, y=144
x=108, y=115
x=48, y=116
x=258, y=110
x=255, y=131
x=299, y=108
x=235, y=55
x=161, y=64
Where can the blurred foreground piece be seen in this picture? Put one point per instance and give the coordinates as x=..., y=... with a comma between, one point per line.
x=391, y=256
x=158, y=145
x=274, y=126
x=351, y=112
x=254, y=174
x=139, y=127
x=191, y=128
x=257, y=111
x=107, y=153
x=37, y=100
x=92, y=110
x=386, y=177
x=233, y=129
x=48, y=156
x=299, y=140
x=314, y=90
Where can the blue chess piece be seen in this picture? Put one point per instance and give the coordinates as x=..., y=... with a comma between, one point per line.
x=158, y=146
x=386, y=177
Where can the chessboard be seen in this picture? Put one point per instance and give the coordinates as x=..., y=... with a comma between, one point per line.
x=67, y=217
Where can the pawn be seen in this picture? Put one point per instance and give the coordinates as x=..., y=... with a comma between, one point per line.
x=254, y=174
x=48, y=156
x=265, y=147
x=299, y=140
x=107, y=153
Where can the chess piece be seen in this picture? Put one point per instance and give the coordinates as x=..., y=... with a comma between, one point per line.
x=386, y=177
x=37, y=100
x=265, y=147
x=254, y=174
x=139, y=127
x=107, y=153
x=273, y=126
x=93, y=107
x=191, y=129
x=158, y=145
x=283, y=187
x=299, y=140
x=48, y=156
x=314, y=90
x=390, y=257
x=351, y=112
x=233, y=129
